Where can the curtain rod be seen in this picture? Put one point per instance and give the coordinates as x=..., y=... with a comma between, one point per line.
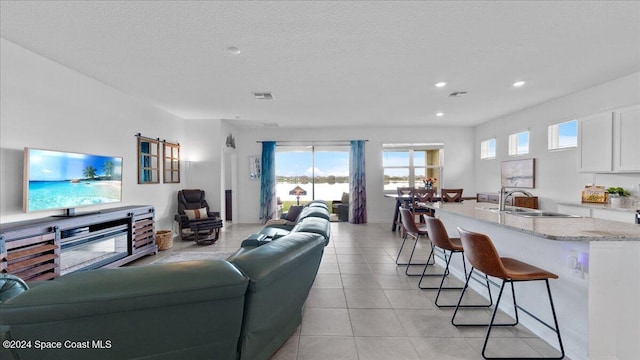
x=139, y=135
x=302, y=142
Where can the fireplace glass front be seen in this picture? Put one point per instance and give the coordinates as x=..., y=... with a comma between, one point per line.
x=92, y=252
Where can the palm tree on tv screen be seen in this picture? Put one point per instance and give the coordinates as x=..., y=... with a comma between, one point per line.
x=90, y=172
x=107, y=168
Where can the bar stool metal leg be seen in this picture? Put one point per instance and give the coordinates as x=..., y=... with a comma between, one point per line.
x=413, y=249
x=556, y=329
x=483, y=255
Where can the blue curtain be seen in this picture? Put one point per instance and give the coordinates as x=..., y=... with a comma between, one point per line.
x=357, y=184
x=268, y=181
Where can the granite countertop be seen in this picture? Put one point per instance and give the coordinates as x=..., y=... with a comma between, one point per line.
x=626, y=208
x=565, y=229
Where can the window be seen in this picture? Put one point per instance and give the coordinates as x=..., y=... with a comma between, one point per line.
x=519, y=143
x=322, y=171
x=488, y=149
x=563, y=135
x=407, y=165
x=171, y=162
x=148, y=160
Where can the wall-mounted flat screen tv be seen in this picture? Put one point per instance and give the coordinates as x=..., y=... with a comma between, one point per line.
x=68, y=180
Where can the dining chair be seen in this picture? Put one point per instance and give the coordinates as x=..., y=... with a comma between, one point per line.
x=420, y=197
x=451, y=195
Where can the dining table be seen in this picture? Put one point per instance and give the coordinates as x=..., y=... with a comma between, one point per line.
x=402, y=200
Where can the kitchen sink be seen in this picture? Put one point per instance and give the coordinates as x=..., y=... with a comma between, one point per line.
x=524, y=212
x=508, y=210
x=545, y=214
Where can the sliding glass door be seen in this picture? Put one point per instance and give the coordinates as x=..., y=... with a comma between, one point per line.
x=321, y=171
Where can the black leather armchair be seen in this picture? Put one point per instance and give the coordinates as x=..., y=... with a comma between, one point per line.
x=195, y=219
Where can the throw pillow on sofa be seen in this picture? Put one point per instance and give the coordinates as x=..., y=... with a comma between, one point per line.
x=293, y=212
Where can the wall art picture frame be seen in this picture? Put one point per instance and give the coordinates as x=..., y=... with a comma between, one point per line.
x=518, y=173
x=255, y=167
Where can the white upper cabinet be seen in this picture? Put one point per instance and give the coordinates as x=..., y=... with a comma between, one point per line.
x=595, y=143
x=626, y=135
x=610, y=141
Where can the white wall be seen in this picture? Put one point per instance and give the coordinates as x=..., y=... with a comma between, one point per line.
x=46, y=105
x=458, y=161
x=557, y=177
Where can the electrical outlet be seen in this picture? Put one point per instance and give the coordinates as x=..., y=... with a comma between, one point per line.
x=577, y=270
x=572, y=261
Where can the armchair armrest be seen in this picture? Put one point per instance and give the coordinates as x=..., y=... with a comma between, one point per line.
x=181, y=218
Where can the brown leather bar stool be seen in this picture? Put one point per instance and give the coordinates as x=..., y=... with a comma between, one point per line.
x=484, y=257
x=415, y=231
x=440, y=239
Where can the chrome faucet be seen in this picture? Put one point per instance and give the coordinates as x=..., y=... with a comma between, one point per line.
x=504, y=194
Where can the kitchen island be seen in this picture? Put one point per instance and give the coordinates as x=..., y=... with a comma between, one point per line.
x=598, y=264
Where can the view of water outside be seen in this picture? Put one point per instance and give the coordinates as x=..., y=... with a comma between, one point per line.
x=324, y=175
x=398, y=171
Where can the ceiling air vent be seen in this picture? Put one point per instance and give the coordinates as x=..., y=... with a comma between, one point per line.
x=263, y=95
x=271, y=124
x=458, y=94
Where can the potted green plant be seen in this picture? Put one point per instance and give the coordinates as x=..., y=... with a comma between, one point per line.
x=617, y=195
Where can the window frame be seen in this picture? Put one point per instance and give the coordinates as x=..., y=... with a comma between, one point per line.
x=514, y=143
x=553, y=136
x=149, y=160
x=411, y=167
x=486, y=144
x=171, y=165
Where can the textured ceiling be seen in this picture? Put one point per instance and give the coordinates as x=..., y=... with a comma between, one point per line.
x=336, y=63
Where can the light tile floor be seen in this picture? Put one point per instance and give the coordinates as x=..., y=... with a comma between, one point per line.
x=363, y=306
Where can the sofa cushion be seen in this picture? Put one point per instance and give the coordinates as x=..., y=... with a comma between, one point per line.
x=319, y=226
x=318, y=203
x=319, y=212
x=281, y=274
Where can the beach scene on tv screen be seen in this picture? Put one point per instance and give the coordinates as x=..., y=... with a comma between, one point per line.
x=59, y=180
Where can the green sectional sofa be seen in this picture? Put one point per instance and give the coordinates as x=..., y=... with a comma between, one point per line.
x=243, y=308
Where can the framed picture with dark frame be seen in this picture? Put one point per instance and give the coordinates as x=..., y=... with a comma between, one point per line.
x=255, y=168
x=519, y=173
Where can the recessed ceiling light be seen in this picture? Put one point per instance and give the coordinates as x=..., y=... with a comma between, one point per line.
x=519, y=83
x=439, y=114
x=233, y=50
x=441, y=84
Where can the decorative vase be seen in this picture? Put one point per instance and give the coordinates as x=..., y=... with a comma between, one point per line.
x=428, y=186
x=616, y=201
